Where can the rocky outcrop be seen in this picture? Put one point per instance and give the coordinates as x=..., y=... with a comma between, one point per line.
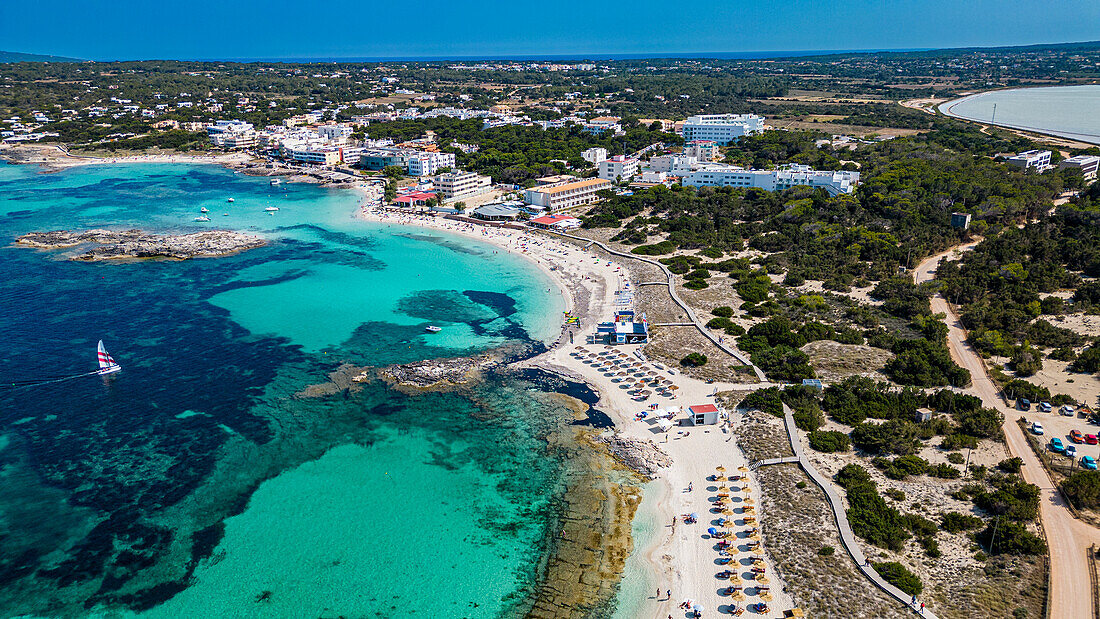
x=435, y=372
x=130, y=244
x=643, y=457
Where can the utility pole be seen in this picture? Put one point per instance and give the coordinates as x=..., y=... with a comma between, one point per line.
x=994, y=534
x=966, y=467
x=994, y=118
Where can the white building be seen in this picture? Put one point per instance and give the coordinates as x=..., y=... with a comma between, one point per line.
x=335, y=132
x=794, y=175
x=721, y=128
x=703, y=150
x=460, y=184
x=564, y=195
x=231, y=134
x=1038, y=160
x=1088, y=164
x=595, y=154
x=650, y=176
x=674, y=165
x=618, y=167
x=427, y=164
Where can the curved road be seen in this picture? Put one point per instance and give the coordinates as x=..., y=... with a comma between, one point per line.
x=1068, y=538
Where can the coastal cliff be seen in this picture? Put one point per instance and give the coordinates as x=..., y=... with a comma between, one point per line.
x=128, y=244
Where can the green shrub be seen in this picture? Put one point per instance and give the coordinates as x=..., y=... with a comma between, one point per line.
x=891, y=437
x=696, y=284
x=955, y=458
x=1013, y=497
x=735, y=330
x=1011, y=538
x=723, y=311
x=944, y=471
x=719, y=322
x=829, y=441
x=826, y=551
x=808, y=418
x=954, y=522
x=1083, y=488
x=958, y=441
x=895, y=494
x=896, y=574
x=801, y=485
x=931, y=547
x=902, y=466
x=656, y=249
x=767, y=400
x=694, y=360
x=919, y=525
x=1010, y=465
x=1088, y=362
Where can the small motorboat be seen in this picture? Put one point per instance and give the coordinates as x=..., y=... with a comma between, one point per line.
x=202, y=218
x=225, y=214
x=433, y=329
x=275, y=181
x=271, y=209
x=230, y=200
x=204, y=210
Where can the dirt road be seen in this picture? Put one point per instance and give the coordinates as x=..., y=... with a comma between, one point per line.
x=1067, y=537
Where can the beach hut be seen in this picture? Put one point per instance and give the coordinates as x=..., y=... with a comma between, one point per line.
x=703, y=414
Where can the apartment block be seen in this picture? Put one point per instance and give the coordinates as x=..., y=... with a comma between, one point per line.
x=566, y=195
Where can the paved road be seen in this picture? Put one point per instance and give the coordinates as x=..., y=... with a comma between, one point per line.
x=1068, y=538
x=676, y=299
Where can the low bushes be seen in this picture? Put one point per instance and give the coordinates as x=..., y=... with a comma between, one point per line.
x=869, y=514
x=898, y=575
x=954, y=522
x=1083, y=488
x=694, y=360
x=829, y=441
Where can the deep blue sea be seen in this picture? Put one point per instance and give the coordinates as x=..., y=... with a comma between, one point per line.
x=199, y=481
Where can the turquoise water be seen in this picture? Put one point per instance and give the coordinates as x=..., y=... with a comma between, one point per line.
x=1069, y=111
x=198, y=478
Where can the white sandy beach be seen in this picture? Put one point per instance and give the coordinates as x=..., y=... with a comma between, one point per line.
x=682, y=557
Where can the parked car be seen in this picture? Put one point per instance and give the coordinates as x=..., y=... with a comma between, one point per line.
x=1088, y=462
x=1067, y=410
x=1045, y=407
x=1023, y=404
x=1091, y=439
x=1070, y=451
x=1056, y=445
x=1037, y=428
x=1076, y=436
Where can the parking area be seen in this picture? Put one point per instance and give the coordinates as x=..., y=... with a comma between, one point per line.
x=1060, y=426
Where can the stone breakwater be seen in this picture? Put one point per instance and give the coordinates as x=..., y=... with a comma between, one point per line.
x=130, y=244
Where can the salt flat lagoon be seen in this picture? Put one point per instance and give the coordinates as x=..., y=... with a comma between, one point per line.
x=196, y=482
x=1067, y=111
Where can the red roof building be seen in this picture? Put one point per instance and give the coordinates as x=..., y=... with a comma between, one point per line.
x=556, y=221
x=414, y=198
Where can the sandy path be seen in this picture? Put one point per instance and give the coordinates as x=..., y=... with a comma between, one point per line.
x=1068, y=538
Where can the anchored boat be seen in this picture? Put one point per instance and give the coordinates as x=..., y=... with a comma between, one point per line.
x=433, y=329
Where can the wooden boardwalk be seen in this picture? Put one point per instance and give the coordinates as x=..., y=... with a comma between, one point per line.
x=840, y=517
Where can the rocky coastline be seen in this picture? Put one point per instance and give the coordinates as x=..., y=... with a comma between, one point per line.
x=137, y=244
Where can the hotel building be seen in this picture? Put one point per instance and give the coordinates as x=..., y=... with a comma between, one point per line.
x=721, y=128
x=565, y=195
x=794, y=175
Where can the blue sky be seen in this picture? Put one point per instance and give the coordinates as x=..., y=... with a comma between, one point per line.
x=129, y=29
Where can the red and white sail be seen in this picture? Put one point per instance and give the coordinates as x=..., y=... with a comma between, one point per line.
x=107, y=364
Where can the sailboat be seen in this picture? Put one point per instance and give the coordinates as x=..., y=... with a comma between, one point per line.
x=229, y=200
x=107, y=364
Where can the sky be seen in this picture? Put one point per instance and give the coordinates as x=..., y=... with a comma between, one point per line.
x=234, y=29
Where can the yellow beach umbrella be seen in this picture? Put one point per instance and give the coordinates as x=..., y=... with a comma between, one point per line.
x=727, y=512
x=762, y=579
x=750, y=501
x=767, y=597
x=737, y=595
x=735, y=577
x=743, y=469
